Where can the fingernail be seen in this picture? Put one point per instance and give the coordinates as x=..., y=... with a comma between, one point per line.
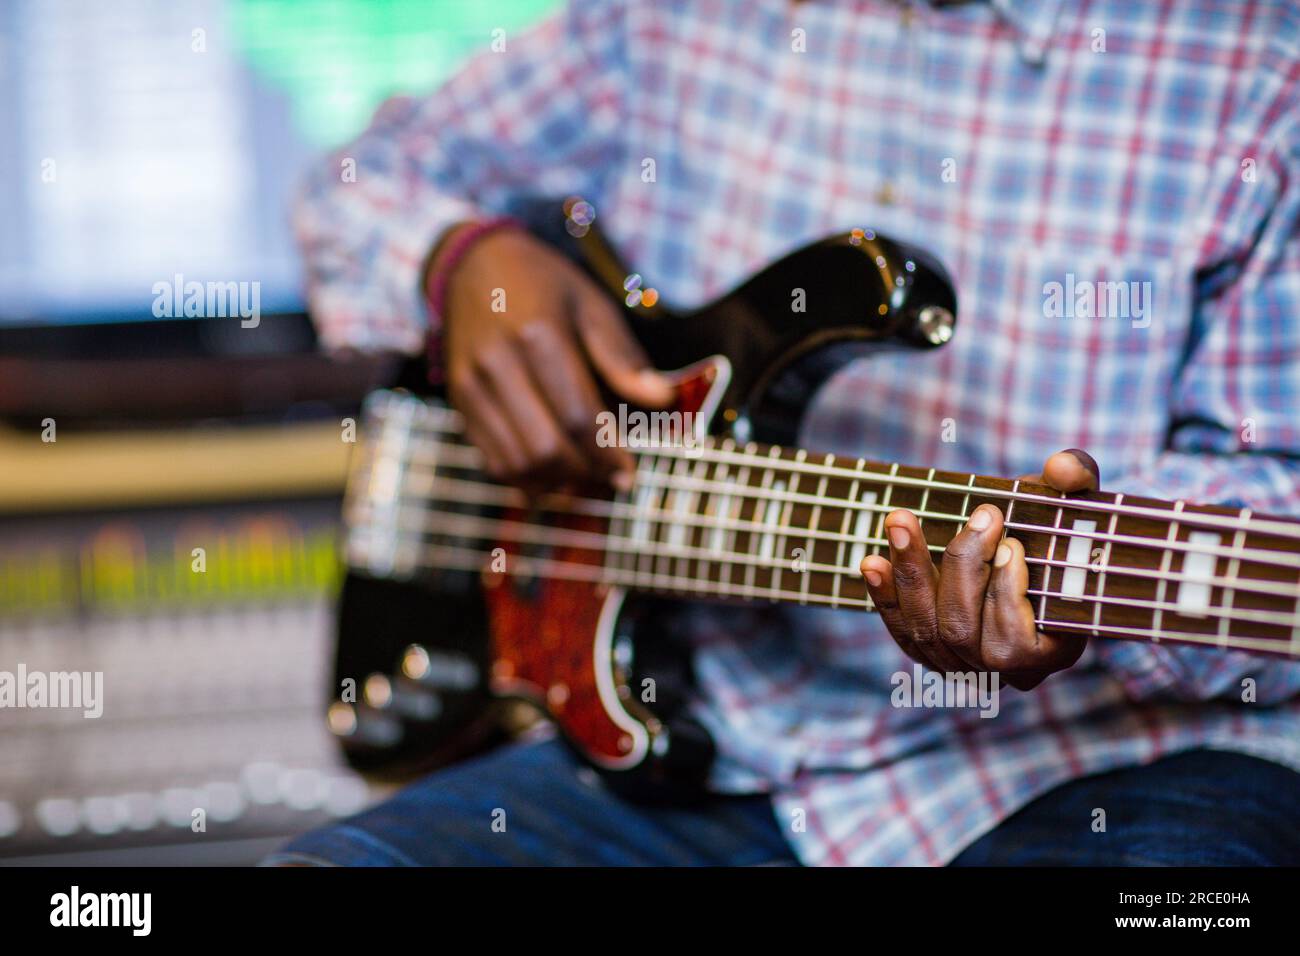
x=980, y=519
x=873, y=578
x=899, y=538
x=1083, y=458
x=1002, y=557
x=622, y=480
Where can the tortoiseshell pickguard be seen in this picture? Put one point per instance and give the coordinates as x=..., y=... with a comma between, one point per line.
x=544, y=632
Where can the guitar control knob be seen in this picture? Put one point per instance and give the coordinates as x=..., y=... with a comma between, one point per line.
x=378, y=691
x=414, y=701
x=935, y=323
x=443, y=670
x=364, y=724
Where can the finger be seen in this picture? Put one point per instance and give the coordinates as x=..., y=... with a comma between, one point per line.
x=1012, y=643
x=616, y=355
x=879, y=575
x=916, y=581
x=486, y=428
x=1072, y=470
x=550, y=458
x=563, y=378
x=963, y=576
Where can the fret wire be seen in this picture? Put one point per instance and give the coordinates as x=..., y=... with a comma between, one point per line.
x=925, y=495
x=845, y=536
x=1277, y=528
x=652, y=502
x=735, y=513
x=779, y=512
x=667, y=527
x=660, y=500
x=646, y=492
x=1006, y=521
x=772, y=537
x=965, y=505
x=688, y=507
x=964, y=517
x=1105, y=565
x=715, y=531
x=787, y=513
x=1162, y=585
x=884, y=505
x=742, y=481
x=1051, y=553
x=1234, y=567
x=701, y=564
x=765, y=485
x=679, y=505
x=810, y=547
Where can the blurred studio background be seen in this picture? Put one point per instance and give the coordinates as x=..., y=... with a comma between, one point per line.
x=150, y=141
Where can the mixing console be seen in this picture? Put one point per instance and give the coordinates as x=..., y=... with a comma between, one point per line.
x=211, y=632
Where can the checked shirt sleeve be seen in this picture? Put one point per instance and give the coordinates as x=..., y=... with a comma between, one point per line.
x=1236, y=435
x=540, y=117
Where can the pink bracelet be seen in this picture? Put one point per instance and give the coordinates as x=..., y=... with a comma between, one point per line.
x=450, y=257
x=437, y=281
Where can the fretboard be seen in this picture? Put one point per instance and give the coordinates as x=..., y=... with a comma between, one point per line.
x=763, y=523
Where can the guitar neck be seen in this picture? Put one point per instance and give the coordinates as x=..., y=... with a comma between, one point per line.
x=764, y=523
x=796, y=527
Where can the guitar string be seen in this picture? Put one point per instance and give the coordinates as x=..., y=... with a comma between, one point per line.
x=1254, y=644
x=499, y=496
x=1157, y=544
x=768, y=463
x=711, y=451
x=452, y=558
x=497, y=530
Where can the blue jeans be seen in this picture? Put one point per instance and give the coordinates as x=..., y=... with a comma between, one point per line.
x=536, y=804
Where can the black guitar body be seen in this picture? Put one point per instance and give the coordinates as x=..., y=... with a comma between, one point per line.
x=785, y=332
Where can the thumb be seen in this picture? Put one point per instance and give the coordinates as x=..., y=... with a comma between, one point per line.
x=618, y=358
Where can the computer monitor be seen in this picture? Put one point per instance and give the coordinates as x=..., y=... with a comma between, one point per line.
x=151, y=141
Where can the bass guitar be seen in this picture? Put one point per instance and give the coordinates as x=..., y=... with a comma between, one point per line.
x=462, y=591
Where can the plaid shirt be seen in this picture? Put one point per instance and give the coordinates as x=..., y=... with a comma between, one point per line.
x=1025, y=142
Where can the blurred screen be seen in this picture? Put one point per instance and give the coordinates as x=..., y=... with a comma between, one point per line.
x=151, y=139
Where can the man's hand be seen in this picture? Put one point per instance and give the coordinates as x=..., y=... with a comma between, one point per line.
x=973, y=614
x=527, y=379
